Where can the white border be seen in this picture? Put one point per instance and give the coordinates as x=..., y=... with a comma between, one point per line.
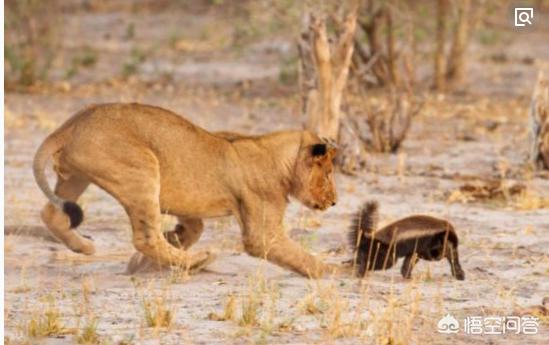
x=2, y=174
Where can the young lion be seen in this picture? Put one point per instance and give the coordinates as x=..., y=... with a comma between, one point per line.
x=154, y=161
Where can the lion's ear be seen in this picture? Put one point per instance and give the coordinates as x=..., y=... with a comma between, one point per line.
x=318, y=150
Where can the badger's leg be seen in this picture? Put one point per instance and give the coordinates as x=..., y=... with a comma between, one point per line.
x=408, y=265
x=59, y=223
x=186, y=232
x=381, y=256
x=453, y=259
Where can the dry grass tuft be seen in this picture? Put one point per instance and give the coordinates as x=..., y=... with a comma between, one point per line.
x=157, y=313
x=336, y=317
x=46, y=323
x=230, y=308
x=394, y=323
x=486, y=190
x=514, y=194
x=229, y=312
x=88, y=335
x=258, y=307
x=311, y=305
x=529, y=200
x=157, y=309
x=250, y=310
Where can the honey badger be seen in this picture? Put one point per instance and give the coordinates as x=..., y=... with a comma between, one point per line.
x=415, y=237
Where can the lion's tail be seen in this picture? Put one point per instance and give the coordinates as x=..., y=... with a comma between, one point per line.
x=52, y=144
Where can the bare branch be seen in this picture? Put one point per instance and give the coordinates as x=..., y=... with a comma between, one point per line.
x=457, y=60
x=440, y=62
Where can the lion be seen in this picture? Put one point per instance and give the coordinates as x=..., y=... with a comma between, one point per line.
x=153, y=161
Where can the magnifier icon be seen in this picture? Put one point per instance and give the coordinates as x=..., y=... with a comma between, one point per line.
x=524, y=17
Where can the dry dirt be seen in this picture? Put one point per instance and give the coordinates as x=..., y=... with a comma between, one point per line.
x=481, y=135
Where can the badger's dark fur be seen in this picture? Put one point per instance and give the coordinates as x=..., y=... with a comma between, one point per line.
x=415, y=237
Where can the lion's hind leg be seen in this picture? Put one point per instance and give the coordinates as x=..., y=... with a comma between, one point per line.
x=148, y=239
x=131, y=175
x=140, y=197
x=59, y=223
x=185, y=234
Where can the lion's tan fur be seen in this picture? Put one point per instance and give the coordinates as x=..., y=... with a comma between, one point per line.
x=154, y=161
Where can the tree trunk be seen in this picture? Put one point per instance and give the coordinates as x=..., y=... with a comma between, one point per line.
x=371, y=22
x=390, y=117
x=391, y=56
x=457, y=60
x=323, y=85
x=440, y=66
x=390, y=120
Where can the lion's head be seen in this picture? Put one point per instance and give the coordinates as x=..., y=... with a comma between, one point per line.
x=314, y=183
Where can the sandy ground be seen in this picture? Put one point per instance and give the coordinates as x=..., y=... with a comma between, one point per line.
x=478, y=136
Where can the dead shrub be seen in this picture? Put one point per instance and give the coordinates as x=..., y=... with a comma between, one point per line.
x=30, y=42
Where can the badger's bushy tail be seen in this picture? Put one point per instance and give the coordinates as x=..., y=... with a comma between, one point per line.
x=363, y=222
x=51, y=145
